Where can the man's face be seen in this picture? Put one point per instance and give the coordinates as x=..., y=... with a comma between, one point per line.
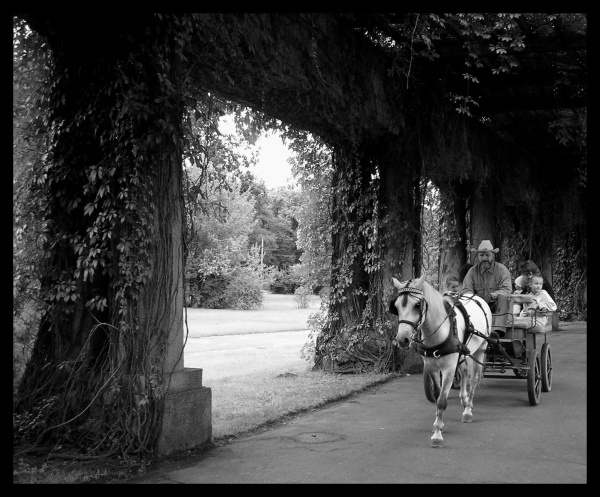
x=485, y=259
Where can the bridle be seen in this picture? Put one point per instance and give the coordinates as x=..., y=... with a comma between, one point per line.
x=418, y=294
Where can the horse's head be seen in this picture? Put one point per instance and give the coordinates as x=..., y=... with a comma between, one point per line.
x=410, y=306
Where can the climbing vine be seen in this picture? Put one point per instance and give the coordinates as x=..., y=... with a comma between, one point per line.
x=353, y=329
x=96, y=376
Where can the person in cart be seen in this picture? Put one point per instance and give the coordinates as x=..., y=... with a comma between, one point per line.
x=491, y=281
x=530, y=317
x=527, y=270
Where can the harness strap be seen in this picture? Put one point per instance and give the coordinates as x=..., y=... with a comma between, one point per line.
x=470, y=329
x=452, y=344
x=449, y=346
x=414, y=325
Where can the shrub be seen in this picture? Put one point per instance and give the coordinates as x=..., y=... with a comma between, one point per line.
x=303, y=296
x=323, y=292
x=208, y=293
x=244, y=290
x=285, y=282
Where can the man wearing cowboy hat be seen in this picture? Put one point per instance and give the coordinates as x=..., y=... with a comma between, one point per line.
x=491, y=281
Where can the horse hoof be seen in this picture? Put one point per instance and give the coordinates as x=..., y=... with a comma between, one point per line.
x=467, y=418
x=436, y=443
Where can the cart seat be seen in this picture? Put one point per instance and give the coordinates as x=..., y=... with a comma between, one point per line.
x=531, y=325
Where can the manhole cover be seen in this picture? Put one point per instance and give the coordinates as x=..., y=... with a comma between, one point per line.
x=316, y=437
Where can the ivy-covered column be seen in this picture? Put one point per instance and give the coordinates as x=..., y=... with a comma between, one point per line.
x=355, y=333
x=106, y=370
x=398, y=228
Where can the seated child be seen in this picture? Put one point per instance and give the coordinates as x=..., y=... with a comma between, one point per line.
x=452, y=286
x=541, y=302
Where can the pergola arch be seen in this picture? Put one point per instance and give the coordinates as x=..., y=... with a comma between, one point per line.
x=325, y=74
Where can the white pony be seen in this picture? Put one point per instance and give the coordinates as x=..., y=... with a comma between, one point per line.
x=442, y=338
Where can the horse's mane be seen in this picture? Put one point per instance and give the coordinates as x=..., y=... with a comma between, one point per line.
x=434, y=299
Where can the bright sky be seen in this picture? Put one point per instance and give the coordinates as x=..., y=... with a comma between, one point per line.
x=272, y=166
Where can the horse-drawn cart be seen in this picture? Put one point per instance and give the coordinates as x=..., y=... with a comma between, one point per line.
x=453, y=335
x=523, y=352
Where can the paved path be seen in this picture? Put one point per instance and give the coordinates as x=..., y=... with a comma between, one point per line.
x=382, y=436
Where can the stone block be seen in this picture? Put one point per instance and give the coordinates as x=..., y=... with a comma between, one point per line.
x=187, y=419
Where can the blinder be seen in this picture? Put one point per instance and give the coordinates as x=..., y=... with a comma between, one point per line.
x=406, y=290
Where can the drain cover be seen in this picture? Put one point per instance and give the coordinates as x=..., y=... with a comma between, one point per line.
x=317, y=437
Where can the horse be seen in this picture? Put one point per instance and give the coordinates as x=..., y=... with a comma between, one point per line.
x=441, y=338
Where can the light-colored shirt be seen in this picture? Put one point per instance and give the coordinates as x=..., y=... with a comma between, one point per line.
x=493, y=282
x=544, y=303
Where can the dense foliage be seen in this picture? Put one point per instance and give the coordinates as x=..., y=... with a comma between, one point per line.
x=107, y=111
x=94, y=379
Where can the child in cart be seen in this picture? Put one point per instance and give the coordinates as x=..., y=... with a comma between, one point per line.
x=541, y=302
x=452, y=287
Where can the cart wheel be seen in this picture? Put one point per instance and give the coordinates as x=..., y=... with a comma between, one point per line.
x=546, y=360
x=430, y=392
x=456, y=380
x=534, y=378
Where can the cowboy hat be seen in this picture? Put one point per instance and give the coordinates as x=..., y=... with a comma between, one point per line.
x=486, y=246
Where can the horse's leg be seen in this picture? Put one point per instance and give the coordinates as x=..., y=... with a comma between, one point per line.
x=442, y=403
x=464, y=381
x=434, y=375
x=437, y=385
x=475, y=372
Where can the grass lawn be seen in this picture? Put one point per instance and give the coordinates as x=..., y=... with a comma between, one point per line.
x=258, y=379
x=278, y=313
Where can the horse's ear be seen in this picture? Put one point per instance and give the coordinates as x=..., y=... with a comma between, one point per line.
x=392, y=309
x=419, y=283
x=396, y=283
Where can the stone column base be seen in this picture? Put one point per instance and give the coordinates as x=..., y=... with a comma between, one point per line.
x=187, y=419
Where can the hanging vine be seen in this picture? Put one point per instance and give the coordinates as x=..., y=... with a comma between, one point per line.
x=96, y=377
x=353, y=329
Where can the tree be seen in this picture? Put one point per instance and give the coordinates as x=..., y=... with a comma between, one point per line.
x=30, y=65
x=221, y=247
x=112, y=276
x=312, y=168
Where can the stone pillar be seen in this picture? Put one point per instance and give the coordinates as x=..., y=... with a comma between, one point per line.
x=187, y=419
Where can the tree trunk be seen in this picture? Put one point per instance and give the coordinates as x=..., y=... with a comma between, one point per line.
x=349, y=278
x=397, y=206
x=452, y=258
x=113, y=187
x=482, y=219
